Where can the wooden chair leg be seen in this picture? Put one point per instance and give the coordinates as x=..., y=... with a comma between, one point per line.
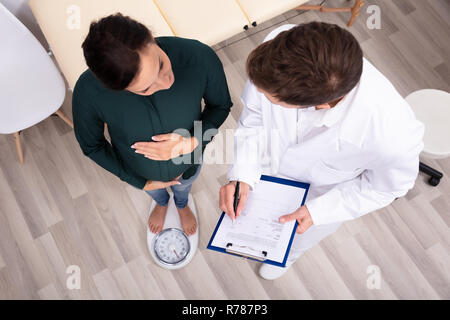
x=355, y=11
x=308, y=8
x=18, y=146
x=64, y=117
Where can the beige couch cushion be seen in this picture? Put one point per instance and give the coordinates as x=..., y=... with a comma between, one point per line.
x=209, y=21
x=59, y=22
x=262, y=10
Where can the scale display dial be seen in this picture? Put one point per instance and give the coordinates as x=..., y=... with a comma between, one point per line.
x=171, y=246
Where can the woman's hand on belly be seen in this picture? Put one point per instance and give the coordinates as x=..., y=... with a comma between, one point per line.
x=166, y=146
x=154, y=185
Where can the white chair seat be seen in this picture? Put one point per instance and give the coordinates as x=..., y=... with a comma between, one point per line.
x=31, y=86
x=432, y=107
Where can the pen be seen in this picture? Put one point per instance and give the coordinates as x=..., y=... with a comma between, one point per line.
x=236, y=196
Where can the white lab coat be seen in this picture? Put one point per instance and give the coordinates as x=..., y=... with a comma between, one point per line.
x=358, y=156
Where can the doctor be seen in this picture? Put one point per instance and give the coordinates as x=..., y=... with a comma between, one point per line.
x=341, y=126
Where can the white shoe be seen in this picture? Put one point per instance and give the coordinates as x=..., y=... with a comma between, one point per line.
x=270, y=272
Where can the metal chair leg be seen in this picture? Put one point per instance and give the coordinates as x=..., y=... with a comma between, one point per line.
x=435, y=176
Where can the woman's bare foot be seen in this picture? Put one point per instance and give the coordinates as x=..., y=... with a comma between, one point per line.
x=188, y=221
x=156, y=219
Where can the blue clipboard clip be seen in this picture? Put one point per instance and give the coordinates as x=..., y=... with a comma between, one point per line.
x=229, y=249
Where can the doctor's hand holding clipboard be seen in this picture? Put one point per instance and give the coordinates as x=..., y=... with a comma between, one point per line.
x=228, y=199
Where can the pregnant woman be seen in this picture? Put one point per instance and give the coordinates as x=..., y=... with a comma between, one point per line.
x=145, y=88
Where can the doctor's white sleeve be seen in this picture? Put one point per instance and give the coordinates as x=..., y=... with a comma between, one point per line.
x=374, y=189
x=248, y=139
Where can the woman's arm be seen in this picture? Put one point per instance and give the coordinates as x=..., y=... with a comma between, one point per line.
x=89, y=131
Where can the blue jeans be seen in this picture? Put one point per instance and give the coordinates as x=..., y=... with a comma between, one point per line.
x=180, y=192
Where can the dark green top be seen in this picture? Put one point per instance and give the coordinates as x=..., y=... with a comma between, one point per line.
x=134, y=118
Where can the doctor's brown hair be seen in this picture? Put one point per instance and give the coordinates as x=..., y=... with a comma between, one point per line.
x=308, y=65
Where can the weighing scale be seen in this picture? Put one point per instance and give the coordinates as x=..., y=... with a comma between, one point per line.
x=172, y=248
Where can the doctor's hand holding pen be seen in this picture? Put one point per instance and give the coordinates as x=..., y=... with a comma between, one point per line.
x=232, y=198
x=234, y=194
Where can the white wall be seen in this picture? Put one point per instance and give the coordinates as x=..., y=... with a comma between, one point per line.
x=22, y=11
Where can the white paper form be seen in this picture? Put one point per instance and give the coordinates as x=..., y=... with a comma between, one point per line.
x=257, y=228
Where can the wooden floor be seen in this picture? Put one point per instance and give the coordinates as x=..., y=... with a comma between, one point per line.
x=60, y=209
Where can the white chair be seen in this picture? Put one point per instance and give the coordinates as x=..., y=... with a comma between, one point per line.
x=432, y=107
x=31, y=87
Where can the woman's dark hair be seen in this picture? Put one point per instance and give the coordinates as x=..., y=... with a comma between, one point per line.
x=111, y=49
x=308, y=65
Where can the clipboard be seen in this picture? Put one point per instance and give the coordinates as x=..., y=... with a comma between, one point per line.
x=250, y=253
